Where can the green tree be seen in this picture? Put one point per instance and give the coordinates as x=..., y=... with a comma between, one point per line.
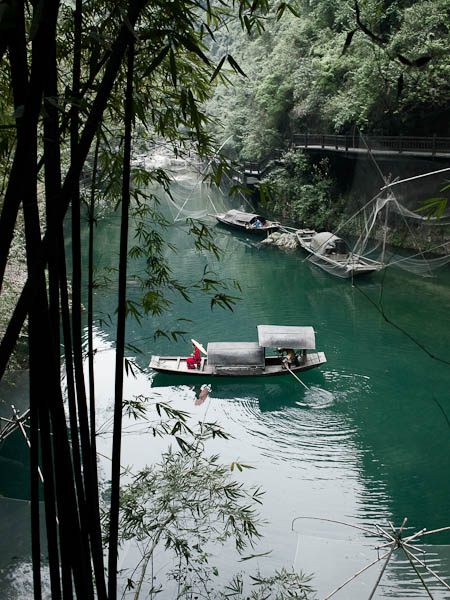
x=335, y=66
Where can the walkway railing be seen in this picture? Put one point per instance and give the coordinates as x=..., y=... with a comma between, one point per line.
x=381, y=144
x=258, y=168
x=384, y=143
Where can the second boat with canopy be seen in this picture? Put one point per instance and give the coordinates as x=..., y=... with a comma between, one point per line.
x=249, y=222
x=332, y=254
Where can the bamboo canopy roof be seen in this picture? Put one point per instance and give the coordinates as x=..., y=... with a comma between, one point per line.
x=274, y=336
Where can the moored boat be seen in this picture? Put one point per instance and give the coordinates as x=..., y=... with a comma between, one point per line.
x=248, y=359
x=332, y=254
x=249, y=222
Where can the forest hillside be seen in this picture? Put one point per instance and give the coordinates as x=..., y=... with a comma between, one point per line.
x=331, y=66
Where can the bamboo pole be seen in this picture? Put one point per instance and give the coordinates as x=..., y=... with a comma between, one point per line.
x=425, y=532
x=382, y=571
x=377, y=560
x=24, y=433
x=422, y=564
x=418, y=573
x=297, y=378
x=121, y=328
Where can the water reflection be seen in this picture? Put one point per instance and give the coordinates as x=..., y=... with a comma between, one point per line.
x=279, y=418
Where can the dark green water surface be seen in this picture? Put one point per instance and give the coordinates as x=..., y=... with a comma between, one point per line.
x=368, y=443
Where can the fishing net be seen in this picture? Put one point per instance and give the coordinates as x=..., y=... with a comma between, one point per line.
x=191, y=197
x=387, y=219
x=394, y=228
x=388, y=228
x=330, y=268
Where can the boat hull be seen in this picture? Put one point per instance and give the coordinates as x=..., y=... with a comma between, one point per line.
x=344, y=269
x=273, y=367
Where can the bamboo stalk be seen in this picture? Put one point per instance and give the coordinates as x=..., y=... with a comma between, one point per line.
x=382, y=572
x=356, y=575
x=24, y=433
x=422, y=564
x=334, y=521
x=418, y=574
x=121, y=327
x=149, y=554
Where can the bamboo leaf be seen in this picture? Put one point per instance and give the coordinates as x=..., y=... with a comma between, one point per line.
x=293, y=11
x=157, y=61
x=404, y=60
x=422, y=61
x=434, y=206
x=217, y=69
x=133, y=348
x=173, y=67
x=244, y=558
x=280, y=10
x=190, y=45
x=194, y=112
x=235, y=65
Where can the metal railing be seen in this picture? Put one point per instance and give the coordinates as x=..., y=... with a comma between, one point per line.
x=258, y=168
x=399, y=144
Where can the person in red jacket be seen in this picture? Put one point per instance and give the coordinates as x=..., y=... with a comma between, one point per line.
x=193, y=362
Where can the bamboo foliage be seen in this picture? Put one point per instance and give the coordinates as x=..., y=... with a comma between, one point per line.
x=66, y=69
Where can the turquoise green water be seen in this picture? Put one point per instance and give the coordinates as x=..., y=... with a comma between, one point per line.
x=369, y=441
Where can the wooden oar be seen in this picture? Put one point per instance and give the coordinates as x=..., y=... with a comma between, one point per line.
x=297, y=378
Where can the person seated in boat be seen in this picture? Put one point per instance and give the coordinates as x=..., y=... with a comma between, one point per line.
x=257, y=223
x=193, y=362
x=301, y=357
x=291, y=359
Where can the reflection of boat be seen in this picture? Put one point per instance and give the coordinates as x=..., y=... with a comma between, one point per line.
x=244, y=359
x=332, y=254
x=251, y=222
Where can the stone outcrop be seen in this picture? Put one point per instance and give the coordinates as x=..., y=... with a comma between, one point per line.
x=287, y=241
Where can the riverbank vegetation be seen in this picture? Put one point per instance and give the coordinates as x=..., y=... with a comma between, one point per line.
x=304, y=193
x=353, y=68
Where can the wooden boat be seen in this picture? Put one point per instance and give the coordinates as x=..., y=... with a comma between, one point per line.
x=332, y=254
x=249, y=222
x=248, y=359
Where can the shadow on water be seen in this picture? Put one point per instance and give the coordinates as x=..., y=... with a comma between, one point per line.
x=272, y=393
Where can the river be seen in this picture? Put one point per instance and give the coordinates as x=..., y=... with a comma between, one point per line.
x=367, y=444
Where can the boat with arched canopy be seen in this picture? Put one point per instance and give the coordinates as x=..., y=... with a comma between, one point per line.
x=249, y=359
